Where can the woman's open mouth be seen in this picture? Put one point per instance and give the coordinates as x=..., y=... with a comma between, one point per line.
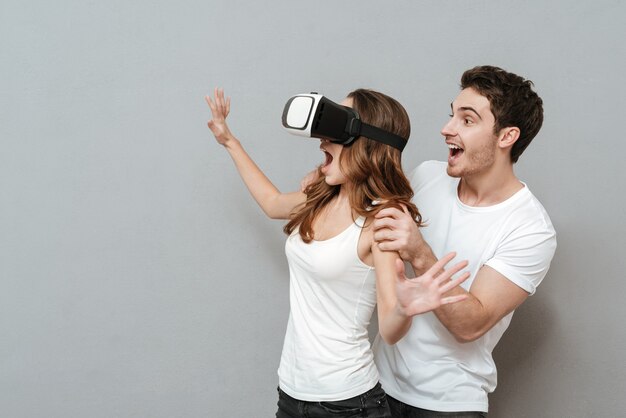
x=328, y=160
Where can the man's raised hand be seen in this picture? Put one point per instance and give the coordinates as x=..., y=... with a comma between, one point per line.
x=426, y=292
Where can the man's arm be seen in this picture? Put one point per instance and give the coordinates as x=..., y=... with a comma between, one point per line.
x=491, y=297
x=399, y=298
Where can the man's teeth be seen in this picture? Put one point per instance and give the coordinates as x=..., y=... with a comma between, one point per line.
x=452, y=146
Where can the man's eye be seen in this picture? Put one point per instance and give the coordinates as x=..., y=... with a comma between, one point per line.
x=451, y=115
x=468, y=121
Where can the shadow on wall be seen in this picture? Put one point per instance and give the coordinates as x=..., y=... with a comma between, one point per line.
x=516, y=355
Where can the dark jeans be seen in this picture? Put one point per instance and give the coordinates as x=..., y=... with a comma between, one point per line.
x=401, y=410
x=371, y=404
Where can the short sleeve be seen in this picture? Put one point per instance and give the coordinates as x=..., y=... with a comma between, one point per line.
x=524, y=256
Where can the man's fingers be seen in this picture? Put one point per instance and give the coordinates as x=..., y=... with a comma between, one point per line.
x=400, y=270
x=385, y=246
x=389, y=212
x=454, y=283
x=308, y=179
x=453, y=299
x=383, y=234
x=382, y=223
x=447, y=274
x=439, y=265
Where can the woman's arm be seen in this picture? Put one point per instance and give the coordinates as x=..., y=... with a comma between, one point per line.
x=275, y=204
x=399, y=298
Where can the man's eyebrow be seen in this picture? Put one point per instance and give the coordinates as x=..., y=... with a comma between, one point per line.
x=467, y=109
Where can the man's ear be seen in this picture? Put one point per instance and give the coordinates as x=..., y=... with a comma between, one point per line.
x=508, y=136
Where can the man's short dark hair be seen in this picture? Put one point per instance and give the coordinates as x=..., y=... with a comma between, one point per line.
x=513, y=102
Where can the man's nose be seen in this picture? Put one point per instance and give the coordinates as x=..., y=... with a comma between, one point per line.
x=448, y=129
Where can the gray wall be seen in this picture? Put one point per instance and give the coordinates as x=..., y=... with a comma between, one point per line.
x=138, y=278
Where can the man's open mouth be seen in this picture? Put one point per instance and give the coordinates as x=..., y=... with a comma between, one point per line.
x=455, y=151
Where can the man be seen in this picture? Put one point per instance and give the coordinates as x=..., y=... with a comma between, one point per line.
x=474, y=205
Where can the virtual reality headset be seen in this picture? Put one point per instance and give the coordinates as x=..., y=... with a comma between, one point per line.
x=315, y=116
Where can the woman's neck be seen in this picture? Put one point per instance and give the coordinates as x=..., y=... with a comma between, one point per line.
x=334, y=217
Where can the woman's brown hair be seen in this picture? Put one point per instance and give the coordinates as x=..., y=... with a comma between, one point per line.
x=373, y=169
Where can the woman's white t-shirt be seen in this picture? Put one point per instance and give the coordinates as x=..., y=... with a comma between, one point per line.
x=327, y=354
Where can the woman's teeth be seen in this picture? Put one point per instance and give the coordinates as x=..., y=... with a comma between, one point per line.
x=329, y=158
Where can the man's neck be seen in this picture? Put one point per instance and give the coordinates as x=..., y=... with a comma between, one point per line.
x=490, y=187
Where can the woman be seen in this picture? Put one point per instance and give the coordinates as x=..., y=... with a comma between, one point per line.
x=337, y=273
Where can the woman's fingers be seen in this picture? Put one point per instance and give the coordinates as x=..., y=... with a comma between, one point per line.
x=209, y=102
x=218, y=100
x=220, y=107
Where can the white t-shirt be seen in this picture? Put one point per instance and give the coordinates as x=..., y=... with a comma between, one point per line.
x=428, y=368
x=327, y=355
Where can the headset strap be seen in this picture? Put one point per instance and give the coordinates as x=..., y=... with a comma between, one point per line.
x=359, y=128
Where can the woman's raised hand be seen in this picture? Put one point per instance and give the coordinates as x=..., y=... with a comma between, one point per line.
x=220, y=107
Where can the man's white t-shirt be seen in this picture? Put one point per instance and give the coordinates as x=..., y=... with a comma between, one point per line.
x=428, y=368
